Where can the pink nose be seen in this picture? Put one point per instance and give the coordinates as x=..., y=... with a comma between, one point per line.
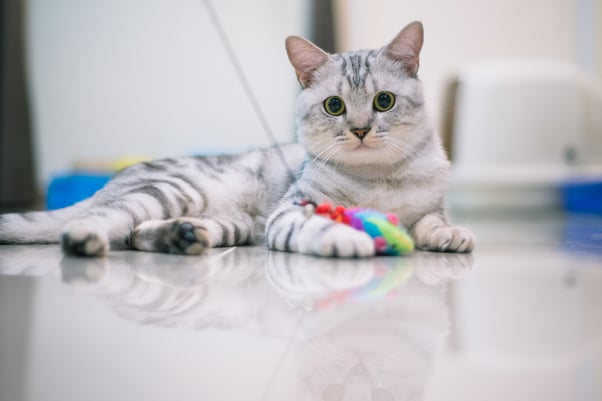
x=360, y=132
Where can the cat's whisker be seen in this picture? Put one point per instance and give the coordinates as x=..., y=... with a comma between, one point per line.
x=328, y=146
x=402, y=151
x=321, y=160
x=326, y=158
x=393, y=149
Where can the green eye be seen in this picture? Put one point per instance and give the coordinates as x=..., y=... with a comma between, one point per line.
x=384, y=101
x=334, y=106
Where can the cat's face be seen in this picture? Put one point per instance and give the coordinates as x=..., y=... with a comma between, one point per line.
x=362, y=107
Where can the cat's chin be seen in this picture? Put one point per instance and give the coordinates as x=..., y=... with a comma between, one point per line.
x=364, y=154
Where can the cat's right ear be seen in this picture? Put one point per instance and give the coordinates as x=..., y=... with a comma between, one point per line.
x=305, y=57
x=406, y=46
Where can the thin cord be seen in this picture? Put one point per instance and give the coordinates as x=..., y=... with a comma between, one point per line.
x=245, y=84
x=285, y=353
x=262, y=119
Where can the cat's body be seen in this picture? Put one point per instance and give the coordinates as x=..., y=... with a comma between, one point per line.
x=365, y=140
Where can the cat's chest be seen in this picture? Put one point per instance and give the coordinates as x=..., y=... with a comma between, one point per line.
x=381, y=195
x=397, y=192
x=402, y=197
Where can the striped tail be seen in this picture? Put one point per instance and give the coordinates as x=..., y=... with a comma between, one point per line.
x=37, y=227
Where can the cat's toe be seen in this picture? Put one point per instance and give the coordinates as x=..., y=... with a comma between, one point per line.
x=81, y=242
x=342, y=241
x=462, y=240
x=449, y=239
x=187, y=238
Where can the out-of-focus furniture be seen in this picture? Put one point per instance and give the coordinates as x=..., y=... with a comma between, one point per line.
x=516, y=131
x=17, y=188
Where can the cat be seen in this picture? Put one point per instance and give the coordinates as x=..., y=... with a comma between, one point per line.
x=364, y=138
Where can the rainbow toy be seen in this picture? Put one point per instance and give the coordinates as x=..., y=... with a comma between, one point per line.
x=389, y=237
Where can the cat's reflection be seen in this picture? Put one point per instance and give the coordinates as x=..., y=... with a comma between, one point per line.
x=27, y=260
x=225, y=288
x=364, y=329
x=371, y=331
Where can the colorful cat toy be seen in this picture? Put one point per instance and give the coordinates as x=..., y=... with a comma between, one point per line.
x=389, y=237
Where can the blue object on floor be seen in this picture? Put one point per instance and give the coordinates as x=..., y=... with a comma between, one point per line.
x=583, y=196
x=65, y=190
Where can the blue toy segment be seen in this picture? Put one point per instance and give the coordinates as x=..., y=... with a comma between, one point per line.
x=389, y=238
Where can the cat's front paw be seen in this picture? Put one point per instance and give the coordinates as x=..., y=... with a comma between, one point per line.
x=337, y=240
x=79, y=241
x=447, y=239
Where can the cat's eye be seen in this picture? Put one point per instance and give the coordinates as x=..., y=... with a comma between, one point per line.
x=384, y=101
x=334, y=106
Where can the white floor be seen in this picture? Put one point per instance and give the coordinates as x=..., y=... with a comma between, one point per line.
x=520, y=319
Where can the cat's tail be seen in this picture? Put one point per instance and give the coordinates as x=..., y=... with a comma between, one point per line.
x=37, y=227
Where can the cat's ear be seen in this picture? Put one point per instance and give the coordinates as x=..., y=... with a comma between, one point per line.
x=405, y=48
x=305, y=57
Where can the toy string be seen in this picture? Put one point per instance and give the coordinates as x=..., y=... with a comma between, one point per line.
x=245, y=84
x=268, y=130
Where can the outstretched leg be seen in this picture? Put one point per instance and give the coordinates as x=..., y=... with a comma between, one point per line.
x=191, y=235
x=117, y=210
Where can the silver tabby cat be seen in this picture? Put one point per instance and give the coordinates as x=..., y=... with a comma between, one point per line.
x=364, y=139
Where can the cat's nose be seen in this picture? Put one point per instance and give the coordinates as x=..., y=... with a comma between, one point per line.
x=360, y=132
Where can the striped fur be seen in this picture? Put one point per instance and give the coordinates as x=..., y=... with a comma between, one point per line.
x=185, y=205
x=172, y=205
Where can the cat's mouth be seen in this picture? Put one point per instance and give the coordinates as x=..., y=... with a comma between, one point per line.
x=363, y=145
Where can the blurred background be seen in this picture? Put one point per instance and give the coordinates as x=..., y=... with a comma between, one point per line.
x=88, y=86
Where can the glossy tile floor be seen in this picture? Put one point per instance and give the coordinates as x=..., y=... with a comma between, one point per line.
x=520, y=319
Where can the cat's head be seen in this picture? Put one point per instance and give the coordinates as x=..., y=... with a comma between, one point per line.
x=363, y=107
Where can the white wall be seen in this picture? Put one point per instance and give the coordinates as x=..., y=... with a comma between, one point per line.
x=112, y=78
x=598, y=33
x=462, y=32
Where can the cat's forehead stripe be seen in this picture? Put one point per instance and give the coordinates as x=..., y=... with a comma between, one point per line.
x=355, y=67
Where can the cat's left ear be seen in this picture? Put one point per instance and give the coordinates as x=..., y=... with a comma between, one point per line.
x=305, y=57
x=406, y=46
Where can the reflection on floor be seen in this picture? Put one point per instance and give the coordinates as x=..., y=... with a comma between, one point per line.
x=518, y=319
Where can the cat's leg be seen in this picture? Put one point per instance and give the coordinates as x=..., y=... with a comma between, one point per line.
x=122, y=206
x=191, y=235
x=433, y=233
x=290, y=229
